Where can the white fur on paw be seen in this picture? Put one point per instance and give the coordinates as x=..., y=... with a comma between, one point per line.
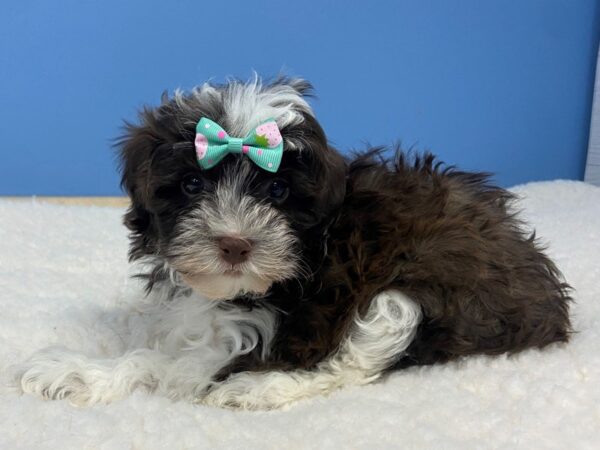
x=35, y=380
x=56, y=374
x=252, y=391
x=224, y=396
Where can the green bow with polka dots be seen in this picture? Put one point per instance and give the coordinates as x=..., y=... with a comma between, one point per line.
x=263, y=145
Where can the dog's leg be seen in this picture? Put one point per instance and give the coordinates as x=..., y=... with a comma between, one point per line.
x=374, y=343
x=174, y=349
x=56, y=373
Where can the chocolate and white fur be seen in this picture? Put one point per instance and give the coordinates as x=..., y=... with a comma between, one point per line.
x=264, y=289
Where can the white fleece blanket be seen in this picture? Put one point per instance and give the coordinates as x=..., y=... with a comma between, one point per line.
x=61, y=266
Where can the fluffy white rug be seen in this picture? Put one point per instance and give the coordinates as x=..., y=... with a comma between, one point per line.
x=61, y=266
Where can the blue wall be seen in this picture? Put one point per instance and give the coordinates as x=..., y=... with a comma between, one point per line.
x=498, y=85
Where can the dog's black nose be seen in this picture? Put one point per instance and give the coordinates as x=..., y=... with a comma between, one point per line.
x=234, y=250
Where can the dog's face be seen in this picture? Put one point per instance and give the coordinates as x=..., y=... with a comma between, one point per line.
x=234, y=228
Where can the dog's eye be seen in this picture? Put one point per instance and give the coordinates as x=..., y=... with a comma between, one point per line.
x=278, y=190
x=192, y=184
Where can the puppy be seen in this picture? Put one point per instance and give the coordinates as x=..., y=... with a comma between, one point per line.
x=278, y=270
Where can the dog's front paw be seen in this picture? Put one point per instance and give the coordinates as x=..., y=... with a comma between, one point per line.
x=255, y=391
x=223, y=397
x=56, y=374
x=34, y=381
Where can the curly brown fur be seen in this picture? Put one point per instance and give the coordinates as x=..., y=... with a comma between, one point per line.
x=449, y=240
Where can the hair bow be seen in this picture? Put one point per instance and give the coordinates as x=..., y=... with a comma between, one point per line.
x=263, y=145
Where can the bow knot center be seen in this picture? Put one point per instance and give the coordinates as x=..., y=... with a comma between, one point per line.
x=234, y=145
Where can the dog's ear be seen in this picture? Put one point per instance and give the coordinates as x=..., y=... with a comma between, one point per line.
x=329, y=171
x=136, y=148
x=330, y=168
